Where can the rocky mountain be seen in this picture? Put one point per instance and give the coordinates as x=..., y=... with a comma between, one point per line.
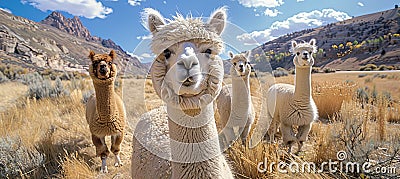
x=56, y=43
x=346, y=45
x=72, y=26
x=75, y=27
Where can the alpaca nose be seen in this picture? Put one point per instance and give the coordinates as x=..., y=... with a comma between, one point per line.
x=189, y=58
x=305, y=53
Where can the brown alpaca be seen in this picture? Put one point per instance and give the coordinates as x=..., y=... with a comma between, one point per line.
x=105, y=111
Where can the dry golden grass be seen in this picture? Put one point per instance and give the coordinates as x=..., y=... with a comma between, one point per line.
x=75, y=167
x=10, y=93
x=57, y=129
x=329, y=96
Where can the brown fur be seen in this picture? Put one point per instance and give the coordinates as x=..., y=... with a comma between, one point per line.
x=105, y=111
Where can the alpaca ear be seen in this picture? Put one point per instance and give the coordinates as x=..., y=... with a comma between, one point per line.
x=294, y=44
x=247, y=54
x=218, y=20
x=230, y=54
x=112, y=54
x=313, y=42
x=91, y=55
x=154, y=19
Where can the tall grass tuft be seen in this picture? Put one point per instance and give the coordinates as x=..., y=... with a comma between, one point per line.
x=74, y=166
x=329, y=97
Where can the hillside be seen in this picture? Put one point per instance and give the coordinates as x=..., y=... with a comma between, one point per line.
x=345, y=45
x=56, y=43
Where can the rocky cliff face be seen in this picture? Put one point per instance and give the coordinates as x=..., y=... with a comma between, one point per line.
x=62, y=46
x=72, y=26
x=75, y=27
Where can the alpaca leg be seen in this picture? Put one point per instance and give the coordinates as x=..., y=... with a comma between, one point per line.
x=288, y=136
x=245, y=133
x=102, y=151
x=229, y=135
x=302, y=134
x=272, y=131
x=116, y=141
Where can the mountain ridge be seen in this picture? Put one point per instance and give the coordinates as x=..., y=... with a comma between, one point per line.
x=345, y=45
x=38, y=46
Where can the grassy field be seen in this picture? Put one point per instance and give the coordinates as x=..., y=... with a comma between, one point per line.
x=49, y=138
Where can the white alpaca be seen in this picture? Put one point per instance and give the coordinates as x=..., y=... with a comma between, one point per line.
x=238, y=93
x=289, y=105
x=181, y=139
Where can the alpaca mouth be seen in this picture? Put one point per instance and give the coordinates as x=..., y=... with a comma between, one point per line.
x=103, y=71
x=189, y=82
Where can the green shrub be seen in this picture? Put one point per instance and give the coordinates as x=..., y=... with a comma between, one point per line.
x=280, y=72
x=368, y=67
x=3, y=78
x=39, y=88
x=329, y=70
x=362, y=75
x=315, y=70
x=17, y=159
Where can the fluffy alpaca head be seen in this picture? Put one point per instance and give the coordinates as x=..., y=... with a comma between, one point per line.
x=102, y=67
x=187, y=72
x=240, y=64
x=303, y=53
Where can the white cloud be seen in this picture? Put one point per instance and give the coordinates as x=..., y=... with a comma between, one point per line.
x=85, y=8
x=144, y=37
x=165, y=2
x=300, y=0
x=135, y=56
x=257, y=14
x=5, y=10
x=360, y=4
x=147, y=55
x=135, y=2
x=303, y=20
x=260, y=3
x=271, y=13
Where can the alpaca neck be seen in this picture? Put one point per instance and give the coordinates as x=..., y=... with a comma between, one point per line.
x=240, y=93
x=303, y=83
x=195, y=149
x=105, y=99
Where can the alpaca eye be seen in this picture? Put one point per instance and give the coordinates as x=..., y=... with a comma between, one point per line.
x=208, y=51
x=234, y=63
x=167, y=53
x=109, y=63
x=298, y=53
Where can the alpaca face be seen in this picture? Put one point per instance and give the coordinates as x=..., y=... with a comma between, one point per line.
x=303, y=53
x=241, y=64
x=102, y=64
x=187, y=67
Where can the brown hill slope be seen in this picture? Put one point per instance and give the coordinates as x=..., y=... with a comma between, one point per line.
x=346, y=45
x=38, y=46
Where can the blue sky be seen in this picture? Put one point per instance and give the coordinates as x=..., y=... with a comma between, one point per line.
x=253, y=21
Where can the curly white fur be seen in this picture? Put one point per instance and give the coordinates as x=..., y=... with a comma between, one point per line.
x=292, y=105
x=235, y=99
x=181, y=139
